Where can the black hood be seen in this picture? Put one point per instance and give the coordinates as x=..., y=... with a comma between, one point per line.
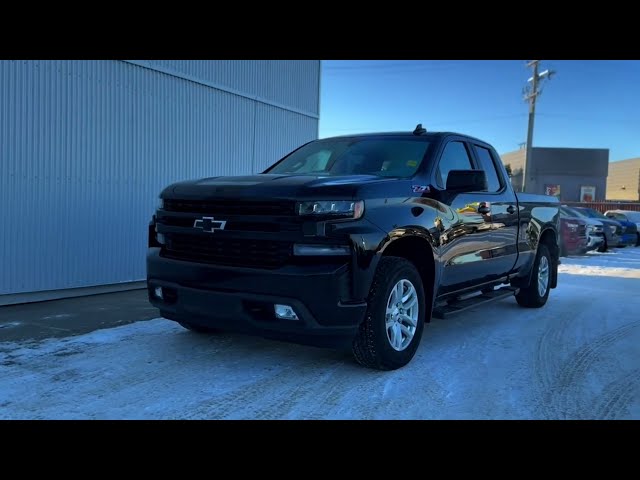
x=273, y=186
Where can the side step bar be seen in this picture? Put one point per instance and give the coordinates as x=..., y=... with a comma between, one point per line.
x=449, y=309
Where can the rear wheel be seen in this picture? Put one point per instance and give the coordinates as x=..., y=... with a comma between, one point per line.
x=391, y=331
x=535, y=295
x=198, y=328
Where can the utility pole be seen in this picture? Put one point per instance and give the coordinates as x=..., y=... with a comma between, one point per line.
x=530, y=96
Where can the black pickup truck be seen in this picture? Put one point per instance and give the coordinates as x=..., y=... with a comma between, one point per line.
x=352, y=241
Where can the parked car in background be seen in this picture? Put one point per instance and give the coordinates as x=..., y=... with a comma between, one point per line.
x=612, y=228
x=627, y=216
x=595, y=228
x=573, y=236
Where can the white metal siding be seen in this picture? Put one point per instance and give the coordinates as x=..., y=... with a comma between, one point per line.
x=292, y=84
x=274, y=143
x=86, y=146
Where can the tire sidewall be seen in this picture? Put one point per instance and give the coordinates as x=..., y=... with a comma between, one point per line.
x=378, y=306
x=542, y=251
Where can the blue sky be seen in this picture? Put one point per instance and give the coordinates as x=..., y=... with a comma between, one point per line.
x=588, y=104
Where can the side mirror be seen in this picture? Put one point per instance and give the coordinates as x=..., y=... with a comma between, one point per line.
x=467, y=181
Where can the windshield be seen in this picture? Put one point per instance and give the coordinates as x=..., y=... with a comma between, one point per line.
x=617, y=216
x=625, y=216
x=388, y=157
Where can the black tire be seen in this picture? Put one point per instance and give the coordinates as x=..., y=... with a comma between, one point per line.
x=603, y=248
x=638, y=240
x=198, y=328
x=529, y=297
x=372, y=347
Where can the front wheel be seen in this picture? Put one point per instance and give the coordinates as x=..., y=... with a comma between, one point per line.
x=535, y=295
x=391, y=331
x=603, y=247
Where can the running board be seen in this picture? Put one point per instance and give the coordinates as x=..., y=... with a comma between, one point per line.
x=445, y=311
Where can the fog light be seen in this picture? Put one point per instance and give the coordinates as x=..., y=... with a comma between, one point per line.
x=158, y=292
x=285, y=312
x=321, y=250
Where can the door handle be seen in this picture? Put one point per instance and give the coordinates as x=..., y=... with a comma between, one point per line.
x=511, y=209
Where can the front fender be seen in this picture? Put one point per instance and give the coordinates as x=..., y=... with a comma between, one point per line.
x=391, y=221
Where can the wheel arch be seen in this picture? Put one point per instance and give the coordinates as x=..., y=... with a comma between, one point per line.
x=417, y=249
x=549, y=237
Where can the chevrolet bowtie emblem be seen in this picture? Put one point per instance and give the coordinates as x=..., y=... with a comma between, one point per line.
x=209, y=224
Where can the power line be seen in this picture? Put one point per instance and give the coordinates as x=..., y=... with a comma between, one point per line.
x=603, y=119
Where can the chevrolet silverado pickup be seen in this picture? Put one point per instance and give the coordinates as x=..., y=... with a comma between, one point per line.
x=353, y=241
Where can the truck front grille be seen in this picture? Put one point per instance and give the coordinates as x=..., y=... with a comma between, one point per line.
x=239, y=224
x=228, y=252
x=232, y=207
x=582, y=231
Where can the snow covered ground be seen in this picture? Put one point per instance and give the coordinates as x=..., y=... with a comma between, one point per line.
x=578, y=357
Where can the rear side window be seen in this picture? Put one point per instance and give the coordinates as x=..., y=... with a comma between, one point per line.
x=454, y=157
x=488, y=165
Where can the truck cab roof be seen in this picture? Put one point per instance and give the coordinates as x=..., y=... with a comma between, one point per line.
x=427, y=135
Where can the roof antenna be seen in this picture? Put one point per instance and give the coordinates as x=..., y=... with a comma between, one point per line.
x=419, y=130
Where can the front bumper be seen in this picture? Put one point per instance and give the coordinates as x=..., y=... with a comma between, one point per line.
x=594, y=242
x=242, y=299
x=574, y=245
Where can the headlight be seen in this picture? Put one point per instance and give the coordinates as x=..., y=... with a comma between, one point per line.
x=612, y=228
x=343, y=208
x=572, y=226
x=591, y=228
x=160, y=204
x=638, y=225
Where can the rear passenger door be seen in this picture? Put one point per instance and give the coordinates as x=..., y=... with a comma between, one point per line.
x=502, y=210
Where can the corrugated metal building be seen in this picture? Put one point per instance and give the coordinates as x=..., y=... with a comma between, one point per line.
x=86, y=146
x=571, y=173
x=623, y=182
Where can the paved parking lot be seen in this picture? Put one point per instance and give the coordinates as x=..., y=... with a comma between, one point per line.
x=73, y=316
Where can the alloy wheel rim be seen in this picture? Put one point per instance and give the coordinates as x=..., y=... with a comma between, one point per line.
x=402, y=315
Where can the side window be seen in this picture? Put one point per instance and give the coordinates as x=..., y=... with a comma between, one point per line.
x=454, y=157
x=488, y=165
